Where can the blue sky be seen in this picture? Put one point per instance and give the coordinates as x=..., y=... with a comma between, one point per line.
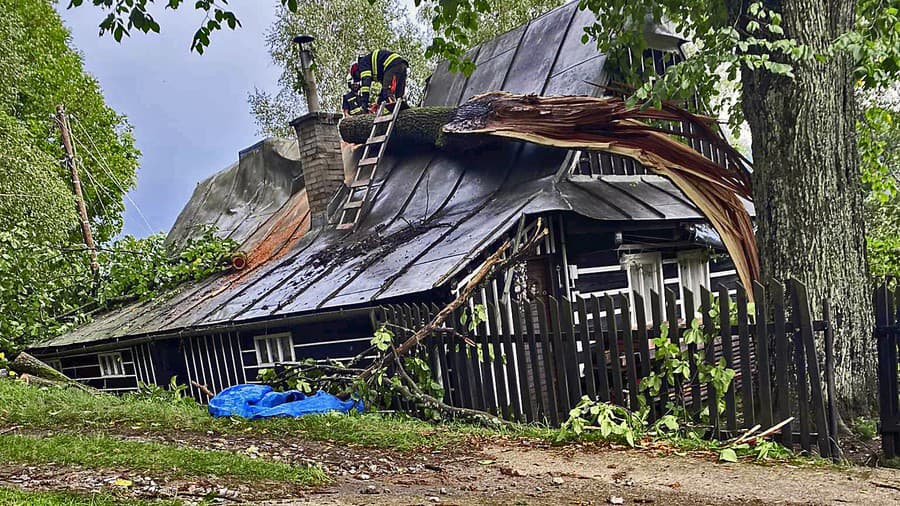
x=189, y=111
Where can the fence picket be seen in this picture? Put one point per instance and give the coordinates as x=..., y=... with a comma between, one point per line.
x=487, y=369
x=510, y=364
x=441, y=346
x=617, y=395
x=746, y=369
x=565, y=401
x=586, y=351
x=709, y=355
x=812, y=367
x=469, y=359
x=628, y=342
x=688, y=305
x=460, y=376
x=409, y=322
x=782, y=367
x=497, y=350
x=570, y=344
x=829, y=381
x=644, y=345
x=799, y=377
x=599, y=336
x=523, y=385
x=802, y=307
x=763, y=369
x=550, y=374
x=728, y=352
x=886, y=321
x=656, y=315
x=540, y=400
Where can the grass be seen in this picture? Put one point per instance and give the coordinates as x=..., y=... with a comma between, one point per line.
x=55, y=408
x=107, y=452
x=10, y=497
x=73, y=410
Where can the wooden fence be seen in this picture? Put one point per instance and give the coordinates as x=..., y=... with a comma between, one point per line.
x=887, y=332
x=539, y=358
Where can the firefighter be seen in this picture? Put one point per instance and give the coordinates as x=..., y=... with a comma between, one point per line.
x=351, y=103
x=382, y=66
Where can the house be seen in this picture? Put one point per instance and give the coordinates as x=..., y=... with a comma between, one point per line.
x=311, y=290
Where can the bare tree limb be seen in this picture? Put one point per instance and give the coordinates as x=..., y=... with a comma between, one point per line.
x=496, y=260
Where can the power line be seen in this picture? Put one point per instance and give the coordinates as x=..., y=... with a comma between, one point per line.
x=97, y=184
x=112, y=176
x=97, y=188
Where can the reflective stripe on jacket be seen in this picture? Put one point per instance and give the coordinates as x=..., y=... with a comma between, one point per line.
x=350, y=103
x=371, y=69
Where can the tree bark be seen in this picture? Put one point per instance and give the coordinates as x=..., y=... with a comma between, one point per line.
x=418, y=126
x=807, y=189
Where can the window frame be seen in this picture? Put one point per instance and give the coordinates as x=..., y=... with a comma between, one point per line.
x=267, y=339
x=687, y=261
x=114, y=359
x=630, y=260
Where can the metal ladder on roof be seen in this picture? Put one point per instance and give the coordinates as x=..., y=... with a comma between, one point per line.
x=373, y=150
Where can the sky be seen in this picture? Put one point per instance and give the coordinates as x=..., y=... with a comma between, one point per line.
x=189, y=111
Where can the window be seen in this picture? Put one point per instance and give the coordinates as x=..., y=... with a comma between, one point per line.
x=644, y=276
x=54, y=363
x=693, y=269
x=274, y=348
x=111, y=364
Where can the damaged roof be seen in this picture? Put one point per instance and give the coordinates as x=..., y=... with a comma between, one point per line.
x=240, y=199
x=432, y=214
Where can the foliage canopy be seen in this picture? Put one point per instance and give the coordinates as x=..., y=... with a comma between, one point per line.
x=344, y=29
x=45, y=281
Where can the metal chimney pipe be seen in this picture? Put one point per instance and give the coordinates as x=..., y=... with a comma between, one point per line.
x=309, y=78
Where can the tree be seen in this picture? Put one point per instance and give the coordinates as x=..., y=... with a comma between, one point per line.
x=503, y=16
x=54, y=75
x=879, y=146
x=344, y=29
x=798, y=63
x=347, y=28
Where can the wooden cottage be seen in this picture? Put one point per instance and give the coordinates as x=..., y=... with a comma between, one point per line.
x=311, y=290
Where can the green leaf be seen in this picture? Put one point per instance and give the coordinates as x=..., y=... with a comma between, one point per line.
x=728, y=455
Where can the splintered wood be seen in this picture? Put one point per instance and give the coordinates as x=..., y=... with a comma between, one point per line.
x=660, y=139
x=608, y=124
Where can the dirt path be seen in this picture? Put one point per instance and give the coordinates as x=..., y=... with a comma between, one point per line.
x=509, y=474
x=496, y=471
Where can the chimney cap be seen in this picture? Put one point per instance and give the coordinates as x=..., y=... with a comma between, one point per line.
x=303, y=39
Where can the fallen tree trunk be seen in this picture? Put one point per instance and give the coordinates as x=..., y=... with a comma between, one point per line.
x=653, y=137
x=419, y=126
x=28, y=364
x=40, y=373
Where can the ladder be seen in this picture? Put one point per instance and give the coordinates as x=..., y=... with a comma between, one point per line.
x=373, y=150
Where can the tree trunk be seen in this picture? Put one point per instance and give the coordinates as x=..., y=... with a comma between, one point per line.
x=807, y=189
x=417, y=126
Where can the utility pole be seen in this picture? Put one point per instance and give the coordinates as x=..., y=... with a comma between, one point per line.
x=66, y=135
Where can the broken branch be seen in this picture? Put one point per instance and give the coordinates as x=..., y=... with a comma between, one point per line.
x=714, y=183
x=496, y=260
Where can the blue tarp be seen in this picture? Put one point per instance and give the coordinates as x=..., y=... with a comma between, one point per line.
x=259, y=401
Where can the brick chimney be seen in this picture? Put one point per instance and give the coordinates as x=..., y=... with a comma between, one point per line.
x=320, y=156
